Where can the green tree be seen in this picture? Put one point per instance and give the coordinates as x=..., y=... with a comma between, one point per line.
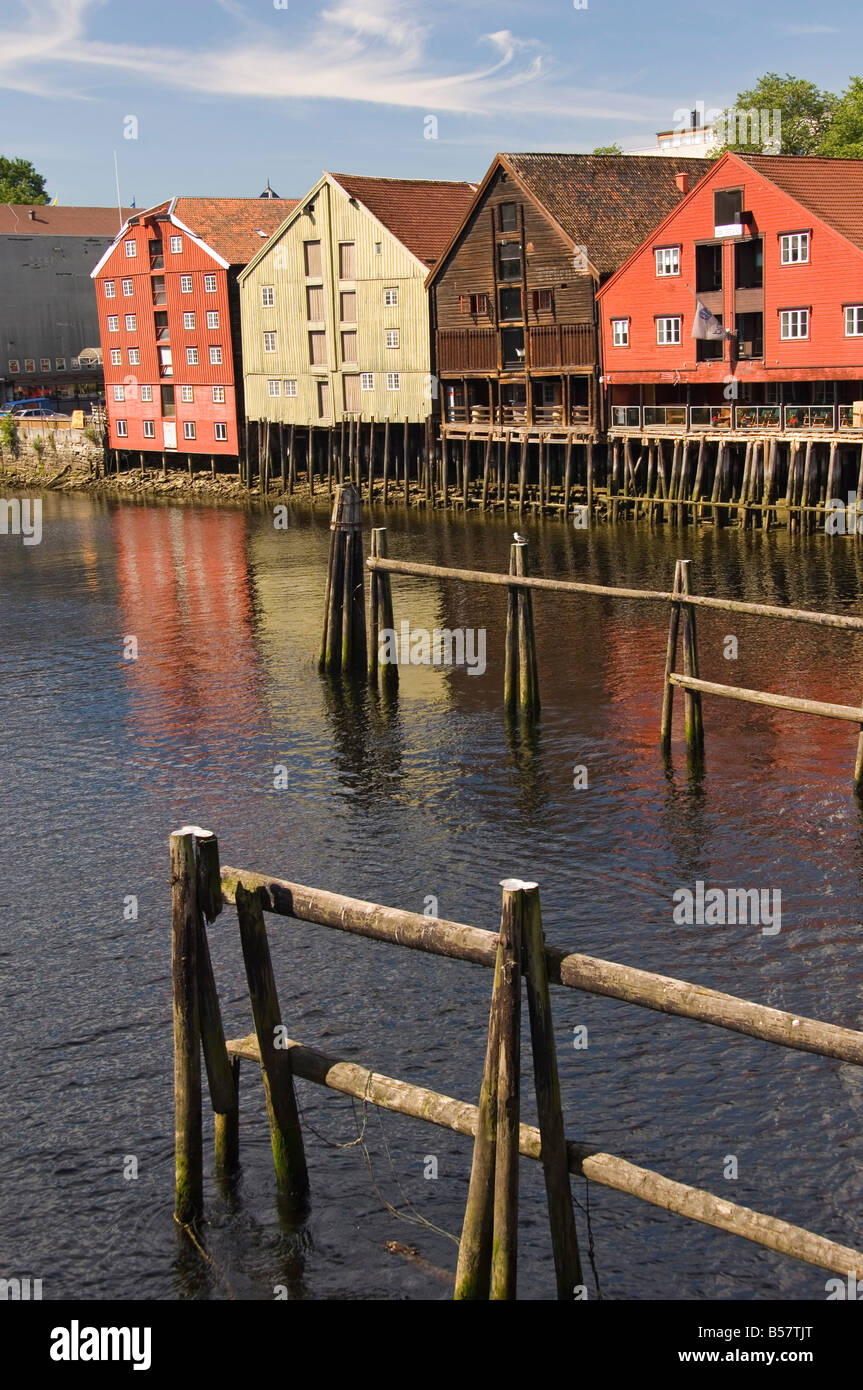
x=19, y=182
x=805, y=115
x=607, y=149
x=843, y=138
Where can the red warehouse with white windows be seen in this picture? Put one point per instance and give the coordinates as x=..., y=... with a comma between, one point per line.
x=769, y=250
x=169, y=322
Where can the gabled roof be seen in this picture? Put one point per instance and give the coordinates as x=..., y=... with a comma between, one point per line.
x=60, y=221
x=832, y=189
x=420, y=213
x=232, y=227
x=605, y=202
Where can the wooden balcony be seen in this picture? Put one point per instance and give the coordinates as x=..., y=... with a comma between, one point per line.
x=562, y=345
x=467, y=350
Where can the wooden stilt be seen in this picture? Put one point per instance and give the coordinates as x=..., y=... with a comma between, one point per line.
x=380, y=616
x=522, y=473
x=670, y=661
x=691, y=698
x=226, y=1147
x=486, y=464
x=188, y=1157
x=504, y=1258
x=386, y=463
x=567, y=477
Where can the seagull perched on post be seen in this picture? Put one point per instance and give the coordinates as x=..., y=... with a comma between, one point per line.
x=520, y=540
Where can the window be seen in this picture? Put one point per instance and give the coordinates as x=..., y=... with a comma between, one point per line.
x=122, y=428
x=75, y=364
x=274, y=388
x=348, y=260
x=29, y=364
x=315, y=303
x=160, y=323
x=509, y=260
x=349, y=347
x=317, y=349
x=508, y=217
x=158, y=288
x=218, y=395
x=131, y=323
x=512, y=347
x=192, y=356
x=510, y=305
x=392, y=337
x=475, y=303
x=210, y=284
x=14, y=365
x=391, y=297
x=291, y=387
x=149, y=429
x=668, y=331
x=794, y=323
x=185, y=284
x=348, y=306
x=146, y=393
x=215, y=356
x=128, y=287
x=188, y=429
x=113, y=323
x=187, y=393
x=220, y=430
x=188, y=320
x=131, y=249
x=60, y=364
x=45, y=364
x=268, y=297
x=176, y=244
x=543, y=301
x=168, y=408
x=116, y=357
x=269, y=342
x=134, y=357
x=794, y=248
x=312, y=259
x=620, y=332
x=110, y=289
x=668, y=260
x=728, y=208
x=166, y=363
x=367, y=381
x=119, y=393
x=212, y=318
x=853, y=320
x=157, y=260
x=393, y=381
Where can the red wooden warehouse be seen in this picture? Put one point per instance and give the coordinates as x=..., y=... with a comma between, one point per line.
x=169, y=322
x=771, y=249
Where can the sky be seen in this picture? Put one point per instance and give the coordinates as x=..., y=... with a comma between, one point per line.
x=219, y=96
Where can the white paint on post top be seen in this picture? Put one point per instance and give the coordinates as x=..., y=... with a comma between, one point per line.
x=196, y=830
x=514, y=885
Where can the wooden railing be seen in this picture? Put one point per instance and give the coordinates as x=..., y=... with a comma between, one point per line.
x=562, y=345
x=467, y=349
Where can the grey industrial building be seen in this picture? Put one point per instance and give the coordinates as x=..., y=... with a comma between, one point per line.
x=47, y=299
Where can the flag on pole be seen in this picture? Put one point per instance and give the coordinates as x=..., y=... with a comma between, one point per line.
x=705, y=324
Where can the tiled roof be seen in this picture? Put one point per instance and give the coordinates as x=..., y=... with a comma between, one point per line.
x=60, y=221
x=831, y=188
x=232, y=226
x=607, y=203
x=423, y=214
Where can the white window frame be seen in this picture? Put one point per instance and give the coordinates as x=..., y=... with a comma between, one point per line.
x=149, y=429
x=394, y=381
x=270, y=341
x=192, y=359
x=216, y=355
x=668, y=330
x=44, y=364
x=176, y=245
x=122, y=429
x=186, y=284
x=791, y=245
x=131, y=249
x=850, y=330
x=134, y=357
x=119, y=392
x=223, y=426
x=218, y=395
x=113, y=323
x=189, y=431
x=210, y=284
x=291, y=386
x=274, y=387
x=116, y=357
x=146, y=393
x=793, y=319
x=110, y=289
x=128, y=287
x=620, y=332
x=391, y=297
x=268, y=297
x=60, y=364
x=667, y=260
x=187, y=393
x=392, y=338
x=212, y=318
x=188, y=320
x=367, y=381
x=131, y=321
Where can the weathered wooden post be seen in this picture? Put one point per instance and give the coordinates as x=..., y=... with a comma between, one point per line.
x=188, y=1142
x=691, y=698
x=380, y=617
x=288, y=1155
x=670, y=661
x=555, y=1162
x=343, y=643
x=521, y=681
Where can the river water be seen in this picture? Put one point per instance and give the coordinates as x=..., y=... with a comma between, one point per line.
x=429, y=800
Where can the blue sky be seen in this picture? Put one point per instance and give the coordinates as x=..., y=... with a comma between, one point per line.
x=230, y=93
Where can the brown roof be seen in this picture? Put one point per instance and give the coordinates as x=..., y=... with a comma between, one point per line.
x=423, y=214
x=232, y=226
x=831, y=188
x=606, y=202
x=60, y=221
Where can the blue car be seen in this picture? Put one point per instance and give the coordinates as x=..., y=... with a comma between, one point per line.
x=36, y=405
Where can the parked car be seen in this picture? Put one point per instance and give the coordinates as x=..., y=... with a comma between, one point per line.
x=15, y=407
x=35, y=410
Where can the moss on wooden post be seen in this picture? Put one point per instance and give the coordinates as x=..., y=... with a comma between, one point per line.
x=380, y=617
x=473, y=1271
x=188, y=1144
x=226, y=1147
x=287, y=1140
x=343, y=642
